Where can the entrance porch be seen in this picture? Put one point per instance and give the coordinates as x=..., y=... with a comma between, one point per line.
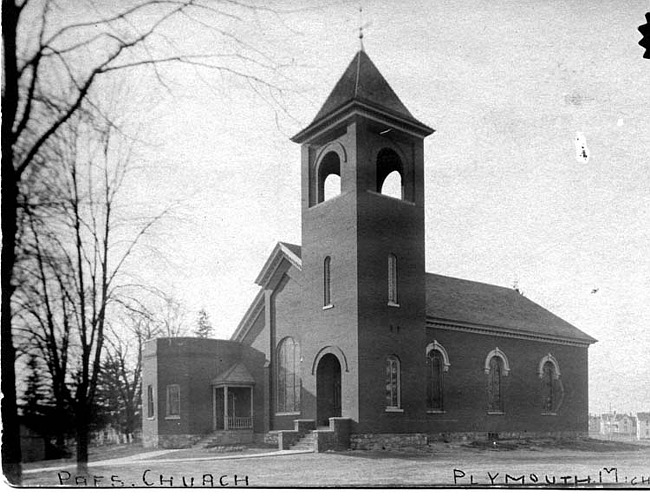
x=232, y=406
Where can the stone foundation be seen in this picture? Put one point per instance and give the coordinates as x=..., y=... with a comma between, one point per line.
x=172, y=441
x=399, y=441
x=271, y=437
x=226, y=438
x=386, y=441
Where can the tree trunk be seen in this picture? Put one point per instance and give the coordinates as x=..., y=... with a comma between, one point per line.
x=11, y=456
x=82, y=420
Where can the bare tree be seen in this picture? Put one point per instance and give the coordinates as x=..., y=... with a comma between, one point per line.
x=77, y=274
x=54, y=56
x=121, y=374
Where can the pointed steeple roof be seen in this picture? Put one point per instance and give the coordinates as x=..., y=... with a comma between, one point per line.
x=362, y=83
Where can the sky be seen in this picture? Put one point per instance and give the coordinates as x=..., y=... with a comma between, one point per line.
x=515, y=90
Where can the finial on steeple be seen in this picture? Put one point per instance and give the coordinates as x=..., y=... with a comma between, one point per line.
x=361, y=28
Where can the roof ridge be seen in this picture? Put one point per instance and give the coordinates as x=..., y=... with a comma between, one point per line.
x=474, y=282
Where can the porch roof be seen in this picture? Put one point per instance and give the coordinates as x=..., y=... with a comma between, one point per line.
x=238, y=374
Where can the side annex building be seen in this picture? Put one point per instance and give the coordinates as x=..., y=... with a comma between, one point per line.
x=349, y=340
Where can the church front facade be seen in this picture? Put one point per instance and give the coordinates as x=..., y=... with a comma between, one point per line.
x=348, y=332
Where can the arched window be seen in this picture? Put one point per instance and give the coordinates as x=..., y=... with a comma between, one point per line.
x=288, y=376
x=392, y=185
x=547, y=388
x=392, y=280
x=495, y=386
x=327, y=283
x=332, y=186
x=392, y=383
x=390, y=174
x=435, y=381
x=329, y=177
x=552, y=390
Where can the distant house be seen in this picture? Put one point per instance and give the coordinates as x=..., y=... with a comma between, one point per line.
x=643, y=425
x=618, y=424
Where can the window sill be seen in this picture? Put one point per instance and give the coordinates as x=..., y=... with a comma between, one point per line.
x=286, y=414
x=172, y=417
x=549, y=414
x=327, y=307
x=496, y=413
x=394, y=305
x=151, y=418
x=392, y=409
x=436, y=412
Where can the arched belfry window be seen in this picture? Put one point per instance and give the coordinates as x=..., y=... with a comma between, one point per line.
x=392, y=280
x=288, y=376
x=392, y=185
x=390, y=173
x=552, y=390
x=329, y=177
x=393, y=385
x=327, y=282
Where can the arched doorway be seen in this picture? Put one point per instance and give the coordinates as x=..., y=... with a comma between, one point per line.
x=328, y=389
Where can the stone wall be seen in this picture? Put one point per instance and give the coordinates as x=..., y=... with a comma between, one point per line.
x=386, y=441
x=171, y=441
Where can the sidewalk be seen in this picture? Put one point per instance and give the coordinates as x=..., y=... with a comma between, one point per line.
x=145, y=458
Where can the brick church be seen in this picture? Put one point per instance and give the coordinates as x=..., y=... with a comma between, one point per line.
x=350, y=340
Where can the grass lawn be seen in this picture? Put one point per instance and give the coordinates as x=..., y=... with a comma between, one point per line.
x=561, y=464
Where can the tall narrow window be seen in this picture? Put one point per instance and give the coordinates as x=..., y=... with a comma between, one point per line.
x=327, y=283
x=150, y=404
x=435, y=381
x=288, y=376
x=392, y=383
x=392, y=280
x=552, y=391
x=547, y=388
x=495, y=391
x=173, y=400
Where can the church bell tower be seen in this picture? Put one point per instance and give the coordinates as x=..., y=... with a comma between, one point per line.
x=363, y=259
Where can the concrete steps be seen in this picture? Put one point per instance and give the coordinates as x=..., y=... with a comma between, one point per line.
x=305, y=443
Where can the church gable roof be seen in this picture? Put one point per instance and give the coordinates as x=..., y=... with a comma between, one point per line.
x=449, y=300
x=282, y=251
x=470, y=302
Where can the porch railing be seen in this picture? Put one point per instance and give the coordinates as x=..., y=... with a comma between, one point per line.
x=239, y=422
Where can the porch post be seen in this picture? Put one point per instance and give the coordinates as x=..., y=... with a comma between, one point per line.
x=251, y=388
x=214, y=408
x=225, y=408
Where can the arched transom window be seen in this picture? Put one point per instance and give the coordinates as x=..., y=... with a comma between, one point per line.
x=496, y=368
x=288, y=376
x=551, y=385
x=495, y=386
x=437, y=365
